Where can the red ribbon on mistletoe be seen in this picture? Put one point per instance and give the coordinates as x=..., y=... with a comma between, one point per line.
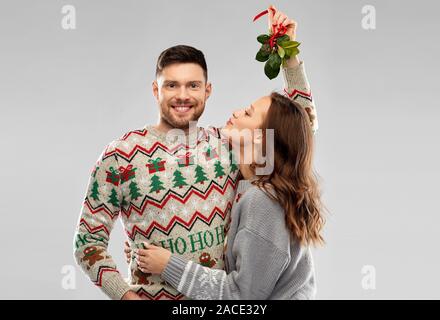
x=279, y=31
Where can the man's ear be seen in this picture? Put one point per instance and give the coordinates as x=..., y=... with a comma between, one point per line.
x=208, y=90
x=155, y=88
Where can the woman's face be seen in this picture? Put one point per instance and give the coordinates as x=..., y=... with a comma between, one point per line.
x=250, y=117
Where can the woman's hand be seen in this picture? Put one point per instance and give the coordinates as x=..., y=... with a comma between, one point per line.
x=127, y=251
x=279, y=18
x=153, y=259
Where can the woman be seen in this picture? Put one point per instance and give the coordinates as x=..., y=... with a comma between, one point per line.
x=275, y=218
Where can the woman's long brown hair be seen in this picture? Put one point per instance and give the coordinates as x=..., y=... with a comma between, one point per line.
x=293, y=179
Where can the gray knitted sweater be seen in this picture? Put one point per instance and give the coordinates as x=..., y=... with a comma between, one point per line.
x=262, y=260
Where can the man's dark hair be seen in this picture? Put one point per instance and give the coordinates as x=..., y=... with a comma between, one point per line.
x=181, y=54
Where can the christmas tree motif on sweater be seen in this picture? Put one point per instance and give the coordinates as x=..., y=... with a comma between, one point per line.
x=94, y=194
x=200, y=175
x=234, y=166
x=113, y=199
x=219, y=172
x=156, y=185
x=134, y=190
x=179, y=180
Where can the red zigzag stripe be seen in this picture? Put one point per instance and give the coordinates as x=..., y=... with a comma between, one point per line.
x=95, y=211
x=297, y=91
x=175, y=220
x=142, y=134
x=161, y=294
x=95, y=229
x=101, y=273
x=172, y=196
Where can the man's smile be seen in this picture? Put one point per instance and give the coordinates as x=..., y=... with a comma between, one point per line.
x=182, y=109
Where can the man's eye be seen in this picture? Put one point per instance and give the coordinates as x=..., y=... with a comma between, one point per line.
x=171, y=85
x=247, y=113
x=194, y=85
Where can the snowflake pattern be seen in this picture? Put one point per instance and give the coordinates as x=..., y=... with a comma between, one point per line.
x=208, y=277
x=203, y=295
x=163, y=215
x=185, y=212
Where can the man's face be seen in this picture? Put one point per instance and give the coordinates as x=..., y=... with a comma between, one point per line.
x=181, y=92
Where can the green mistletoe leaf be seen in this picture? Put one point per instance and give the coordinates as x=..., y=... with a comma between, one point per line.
x=283, y=39
x=271, y=73
x=281, y=52
x=261, y=56
x=291, y=52
x=274, y=60
x=289, y=44
x=272, y=66
x=264, y=53
x=263, y=38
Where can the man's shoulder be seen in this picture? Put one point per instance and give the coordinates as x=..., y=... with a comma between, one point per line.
x=125, y=140
x=133, y=135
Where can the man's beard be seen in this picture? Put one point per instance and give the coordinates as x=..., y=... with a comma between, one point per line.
x=180, y=123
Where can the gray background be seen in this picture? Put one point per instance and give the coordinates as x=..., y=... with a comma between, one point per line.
x=64, y=94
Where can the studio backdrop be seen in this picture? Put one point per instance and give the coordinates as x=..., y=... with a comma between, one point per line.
x=69, y=87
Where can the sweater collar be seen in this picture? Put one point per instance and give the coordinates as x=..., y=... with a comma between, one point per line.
x=162, y=135
x=244, y=185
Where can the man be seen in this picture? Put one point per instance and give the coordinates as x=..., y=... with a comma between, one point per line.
x=170, y=192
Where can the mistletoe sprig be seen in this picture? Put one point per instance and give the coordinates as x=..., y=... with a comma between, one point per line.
x=275, y=54
x=276, y=49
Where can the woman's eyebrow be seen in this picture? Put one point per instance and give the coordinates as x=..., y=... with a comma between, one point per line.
x=252, y=108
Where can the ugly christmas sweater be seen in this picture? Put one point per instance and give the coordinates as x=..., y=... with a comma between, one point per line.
x=169, y=190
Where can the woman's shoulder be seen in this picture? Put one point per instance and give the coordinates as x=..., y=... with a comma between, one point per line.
x=258, y=194
x=260, y=206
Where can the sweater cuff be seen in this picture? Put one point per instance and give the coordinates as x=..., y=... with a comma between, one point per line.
x=115, y=286
x=174, y=270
